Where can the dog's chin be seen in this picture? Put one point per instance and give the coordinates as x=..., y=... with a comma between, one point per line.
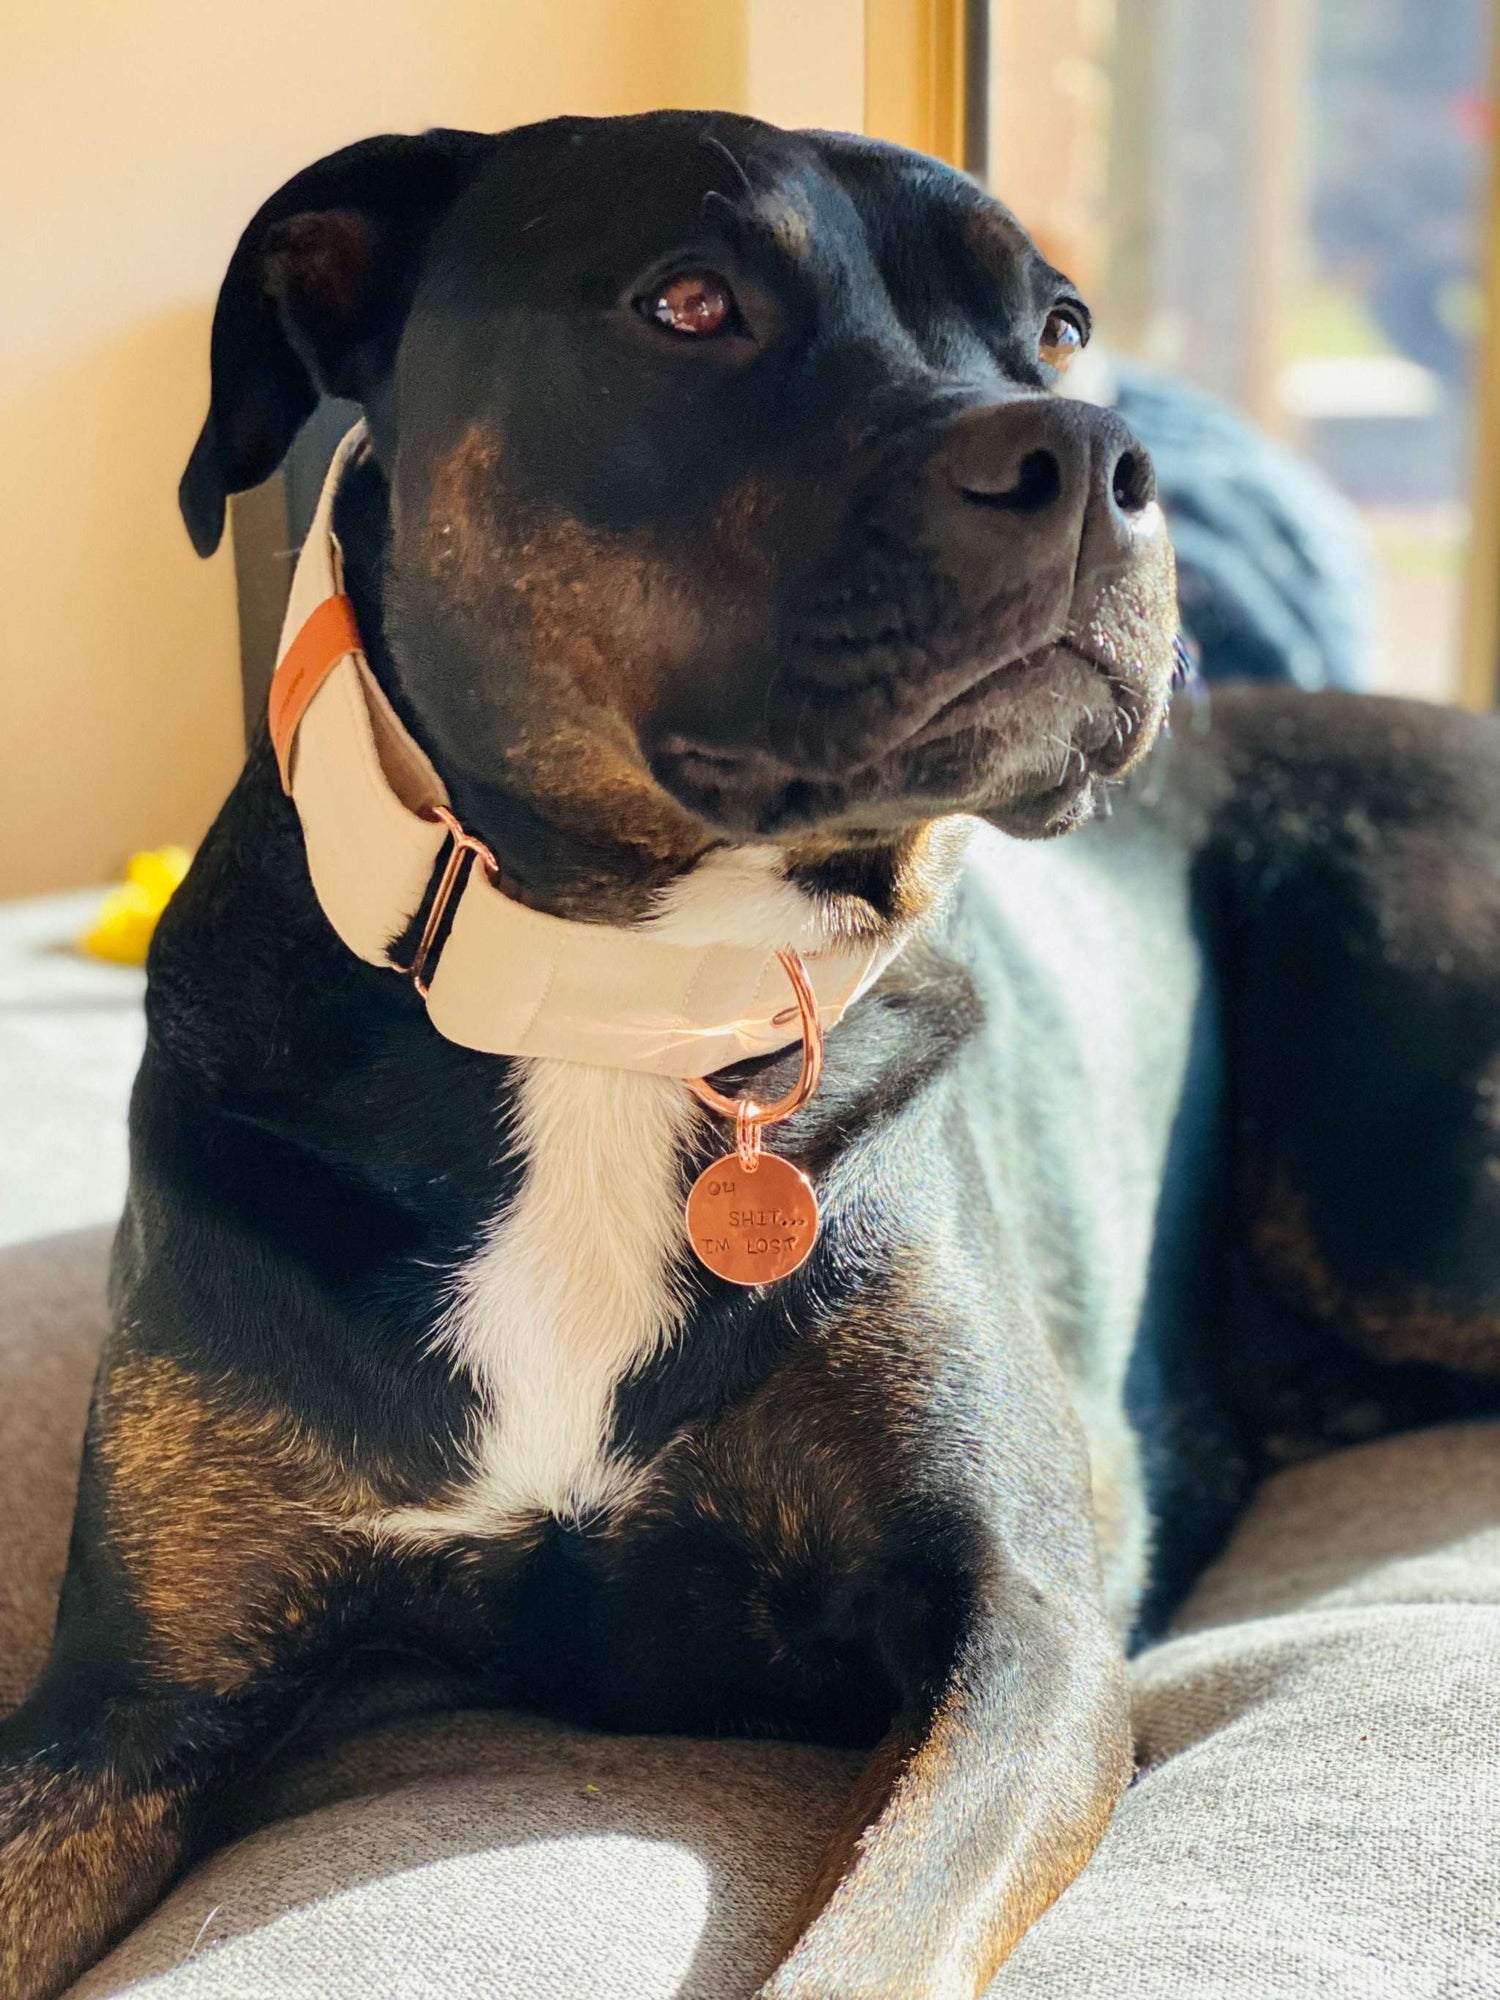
x=1031, y=745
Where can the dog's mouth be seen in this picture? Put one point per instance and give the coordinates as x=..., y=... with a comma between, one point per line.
x=1002, y=683
x=1028, y=741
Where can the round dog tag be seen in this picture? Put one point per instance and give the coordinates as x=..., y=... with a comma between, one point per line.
x=752, y=1225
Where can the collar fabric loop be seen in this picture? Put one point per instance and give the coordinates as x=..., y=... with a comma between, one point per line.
x=507, y=980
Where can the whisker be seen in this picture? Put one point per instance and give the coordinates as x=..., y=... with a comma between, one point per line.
x=712, y=139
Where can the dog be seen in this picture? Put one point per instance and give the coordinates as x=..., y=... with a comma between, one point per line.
x=721, y=591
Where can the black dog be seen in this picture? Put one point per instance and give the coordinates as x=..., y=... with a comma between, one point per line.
x=720, y=541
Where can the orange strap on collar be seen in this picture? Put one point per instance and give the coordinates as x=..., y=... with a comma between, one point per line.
x=329, y=636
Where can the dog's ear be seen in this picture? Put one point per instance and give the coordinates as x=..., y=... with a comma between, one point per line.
x=313, y=303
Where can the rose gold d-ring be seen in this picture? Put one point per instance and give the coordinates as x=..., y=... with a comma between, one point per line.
x=749, y=1117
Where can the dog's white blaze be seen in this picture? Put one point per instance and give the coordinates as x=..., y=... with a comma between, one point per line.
x=574, y=1289
x=740, y=895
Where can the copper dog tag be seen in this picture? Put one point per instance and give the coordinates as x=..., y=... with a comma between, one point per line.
x=752, y=1217
x=752, y=1225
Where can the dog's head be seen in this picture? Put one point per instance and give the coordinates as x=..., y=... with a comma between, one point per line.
x=728, y=496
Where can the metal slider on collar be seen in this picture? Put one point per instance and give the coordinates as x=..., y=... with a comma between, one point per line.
x=462, y=847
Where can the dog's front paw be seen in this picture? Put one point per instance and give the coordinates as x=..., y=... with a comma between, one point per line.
x=79, y=1858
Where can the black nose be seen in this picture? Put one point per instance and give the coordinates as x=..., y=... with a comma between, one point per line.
x=1041, y=481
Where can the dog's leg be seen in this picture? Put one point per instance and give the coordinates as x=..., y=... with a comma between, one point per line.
x=973, y=1816
x=1360, y=878
x=97, y=1789
x=916, y=1489
x=210, y=1544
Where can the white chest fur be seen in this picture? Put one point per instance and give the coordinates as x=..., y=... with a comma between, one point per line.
x=576, y=1286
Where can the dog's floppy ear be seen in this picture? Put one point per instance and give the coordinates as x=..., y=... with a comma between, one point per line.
x=313, y=303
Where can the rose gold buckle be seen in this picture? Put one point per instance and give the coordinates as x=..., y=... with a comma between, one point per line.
x=463, y=843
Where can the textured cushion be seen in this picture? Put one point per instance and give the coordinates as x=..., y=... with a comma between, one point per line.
x=1317, y=1812
x=71, y=1035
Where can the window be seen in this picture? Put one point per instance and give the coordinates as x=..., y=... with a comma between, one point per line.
x=1283, y=202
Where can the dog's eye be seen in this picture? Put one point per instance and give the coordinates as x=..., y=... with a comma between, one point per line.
x=1062, y=338
x=696, y=304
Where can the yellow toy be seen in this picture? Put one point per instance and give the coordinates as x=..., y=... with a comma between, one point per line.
x=122, y=930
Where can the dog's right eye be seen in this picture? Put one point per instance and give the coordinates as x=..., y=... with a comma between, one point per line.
x=696, y=305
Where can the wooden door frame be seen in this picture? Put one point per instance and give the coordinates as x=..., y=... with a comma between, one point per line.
x=926, y=77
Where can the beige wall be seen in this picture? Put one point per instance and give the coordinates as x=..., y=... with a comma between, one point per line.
x=136, y=138
x=1049, y=125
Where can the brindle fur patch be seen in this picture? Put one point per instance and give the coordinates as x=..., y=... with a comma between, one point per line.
x=589, y=607
x=958, y=1922
x=233, y=1524
x=912, y=1896
x=788, y=223
x=1072, y=1819
x=993, y=236
x=597, y=619
x=740, y=522
x=79, y=1858
x=875, y=888
x=1419, y=1323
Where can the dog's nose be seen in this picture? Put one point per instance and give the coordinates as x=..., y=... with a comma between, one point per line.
x=1041, y=480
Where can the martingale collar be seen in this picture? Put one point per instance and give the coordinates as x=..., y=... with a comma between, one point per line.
x=384, y=847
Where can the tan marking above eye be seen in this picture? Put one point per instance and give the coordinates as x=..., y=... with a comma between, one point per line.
x=1062, y=339
x=696, y=304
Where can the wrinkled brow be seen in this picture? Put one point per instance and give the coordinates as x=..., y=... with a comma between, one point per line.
x=998, y=243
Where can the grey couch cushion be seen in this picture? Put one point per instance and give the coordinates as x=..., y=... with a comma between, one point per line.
x=71, y=1033
x=1318, y=1811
